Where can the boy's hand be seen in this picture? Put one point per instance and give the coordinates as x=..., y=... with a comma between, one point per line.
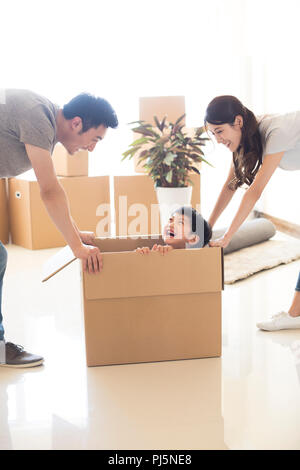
x=143, y=251
x=162, y=249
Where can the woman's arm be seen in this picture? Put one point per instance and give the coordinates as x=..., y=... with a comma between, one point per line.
x=251, y=196
x=224, y=198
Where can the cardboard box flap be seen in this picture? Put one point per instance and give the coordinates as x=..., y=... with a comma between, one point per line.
x=65, y=256
x=124, y=243
x=130, y=274
x=57, y=262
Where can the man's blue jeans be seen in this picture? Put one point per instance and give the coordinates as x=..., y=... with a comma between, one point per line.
x=3, y=263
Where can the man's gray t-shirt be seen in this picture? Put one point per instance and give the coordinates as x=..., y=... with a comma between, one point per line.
x=25, y=118
x=281, y=133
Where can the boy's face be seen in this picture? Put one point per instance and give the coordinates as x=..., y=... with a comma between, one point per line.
x=178, y=231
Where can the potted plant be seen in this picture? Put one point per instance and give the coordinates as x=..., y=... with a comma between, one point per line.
x=168, y=155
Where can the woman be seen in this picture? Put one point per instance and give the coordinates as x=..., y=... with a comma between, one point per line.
x=259, y=146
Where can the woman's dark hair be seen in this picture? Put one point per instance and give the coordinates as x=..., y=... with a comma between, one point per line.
x=199, y=225
x=93, y=111
x=248, y=157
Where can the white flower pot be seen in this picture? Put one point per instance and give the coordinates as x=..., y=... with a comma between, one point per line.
x=169, y=199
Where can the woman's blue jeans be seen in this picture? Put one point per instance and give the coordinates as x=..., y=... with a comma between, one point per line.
x=3, y=263
x=298, y=284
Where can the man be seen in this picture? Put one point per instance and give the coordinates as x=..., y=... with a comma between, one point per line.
x=30, y=126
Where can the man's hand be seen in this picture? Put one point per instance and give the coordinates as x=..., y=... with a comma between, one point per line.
x=91, y=258
x=88, y=238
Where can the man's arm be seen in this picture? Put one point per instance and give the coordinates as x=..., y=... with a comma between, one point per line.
x=56, y=203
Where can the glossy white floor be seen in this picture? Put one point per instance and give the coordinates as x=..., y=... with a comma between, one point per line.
x=248, y=399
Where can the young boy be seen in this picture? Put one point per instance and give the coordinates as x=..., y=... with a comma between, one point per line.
x=186, y=229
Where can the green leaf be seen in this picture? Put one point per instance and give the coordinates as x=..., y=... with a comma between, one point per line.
x=196, y=149
x=140, y=141
x=143, y=155
x=169, y=158
x=157, y=122
x=130, y=151
x=195, y=169
x=136, y=122
x=200, y=130
x=162, y=124
x=203, y=160
x=179, y=136
x=145, y=131
x=180, y=119
x=169, y=176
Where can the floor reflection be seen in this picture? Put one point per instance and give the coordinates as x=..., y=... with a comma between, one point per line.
x=247, y=399
x=157, y=406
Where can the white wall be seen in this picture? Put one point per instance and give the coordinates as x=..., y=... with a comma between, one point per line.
x=282, y=196
x=272, y=40
x=125, y=49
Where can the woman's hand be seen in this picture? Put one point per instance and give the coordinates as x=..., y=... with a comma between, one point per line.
x=88, y=238
x=222, y=242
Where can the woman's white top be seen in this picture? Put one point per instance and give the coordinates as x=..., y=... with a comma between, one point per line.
x=281, y=133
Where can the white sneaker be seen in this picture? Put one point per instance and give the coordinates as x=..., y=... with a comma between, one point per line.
x=279, y=321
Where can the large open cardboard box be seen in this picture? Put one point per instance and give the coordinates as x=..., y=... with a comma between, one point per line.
x=147, y=308
x=4, y=224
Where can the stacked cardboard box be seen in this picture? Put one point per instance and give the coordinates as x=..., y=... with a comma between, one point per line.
x=32, y=227
x=4, y=223
x=70, y=165
x=160, y=106
x=136, y=205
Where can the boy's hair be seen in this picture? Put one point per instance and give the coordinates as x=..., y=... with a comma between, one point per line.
x=199, y=225
x=92, y=110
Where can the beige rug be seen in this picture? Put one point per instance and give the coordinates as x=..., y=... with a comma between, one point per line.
x=243, y=263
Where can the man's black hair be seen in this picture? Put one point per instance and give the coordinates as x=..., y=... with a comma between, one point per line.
x=199, y=225
x=92, y=110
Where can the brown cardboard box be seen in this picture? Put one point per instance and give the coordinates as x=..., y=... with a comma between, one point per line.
x=32, y=227
x=149, y=308
x=135, y=195
x=70, y=165
x=4, y=224
x=160, y=106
